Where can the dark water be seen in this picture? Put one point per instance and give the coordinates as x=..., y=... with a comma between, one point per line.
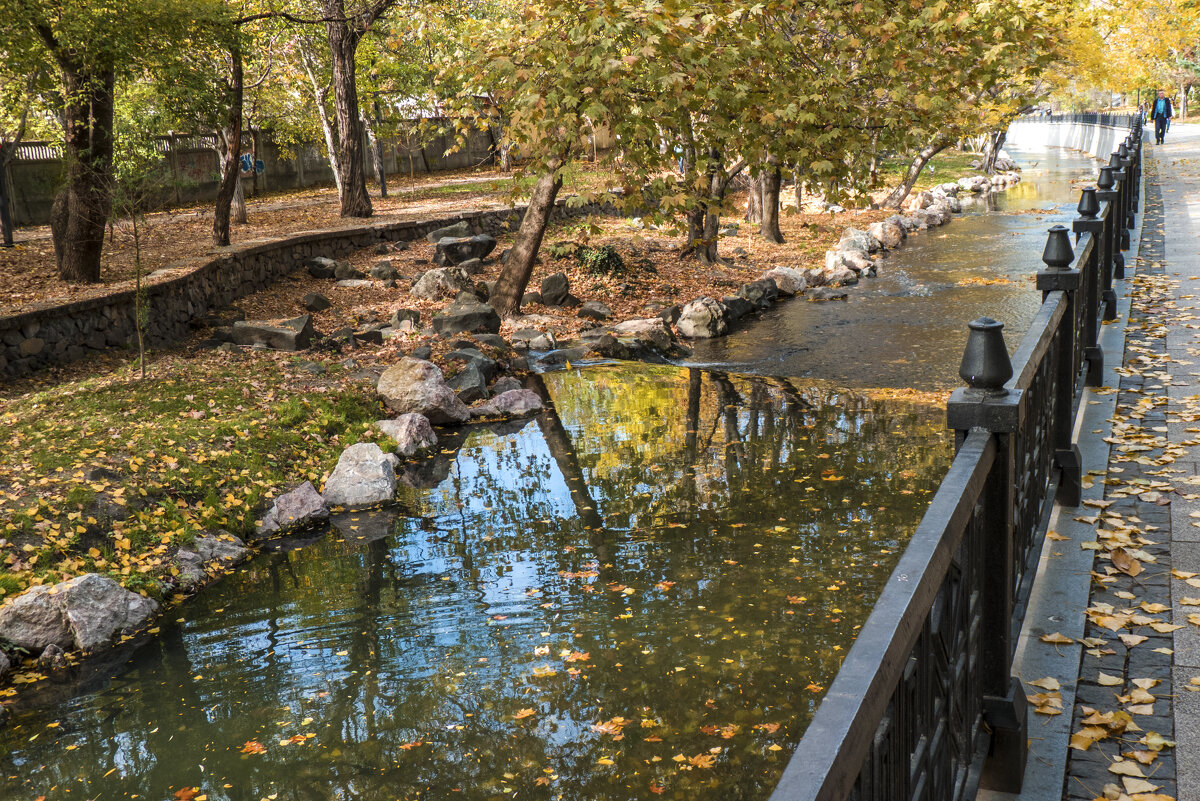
x=641, y=595
x=907, y=327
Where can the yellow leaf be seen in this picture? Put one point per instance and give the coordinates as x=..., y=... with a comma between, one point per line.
x=1048, y=683
x=1057, y=639
x=1110, y=681
x=1126, y=768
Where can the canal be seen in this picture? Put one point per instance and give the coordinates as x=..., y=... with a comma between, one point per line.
x=641, y=593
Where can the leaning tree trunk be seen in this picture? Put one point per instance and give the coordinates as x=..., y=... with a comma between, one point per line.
x=6, y=222
x=771, y=181
x=343, y=43
x=88, y=141
x=991, y=150
x=510, y=288
x=897, y=195
x=377, y=147
x=229, y=140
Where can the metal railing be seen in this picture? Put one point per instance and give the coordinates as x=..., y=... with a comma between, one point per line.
x=1086, y=118
x=925, y=705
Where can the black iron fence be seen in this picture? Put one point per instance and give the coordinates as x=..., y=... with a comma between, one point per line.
x=925, y=705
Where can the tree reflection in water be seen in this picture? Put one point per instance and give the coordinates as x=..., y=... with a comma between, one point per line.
x=643, y=591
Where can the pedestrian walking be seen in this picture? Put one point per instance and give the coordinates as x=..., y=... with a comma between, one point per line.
x=1161, y=112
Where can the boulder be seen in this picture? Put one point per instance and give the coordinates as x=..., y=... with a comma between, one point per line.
x=290, y=335
x=762, y=293
x=546, y=341
x=354, y=283
x=458, y=230
x=703, y=318
x=96, y=609
x=858, y=261
x=316, y=302
x=815, y=276
x=321, y=267
x=595, y=310
x=736, y=307
x=443, y=282
x=855, y=239
x=513, y=403
x=920, y=200
x=35, y=619
x=555, y=289
x=471, y=266
x=384, y=271
x=953, y=204
x=52, y=660
x=412, y=433
x=949, y=188
x=670, y=314
x=470, y=383
x=364, y=476
x=455, y=250
x=344, y=271
x=889, y=234
x=191, y=569
x=402, y=316
x=651, y=330
x=466, y=315
x=298, y=508
x=842, y=277
x=912, y=222
x=788, y=280
x=827, y=293
x=504, y=384
x=474, y=356
x=221, y=546
x=415, y=385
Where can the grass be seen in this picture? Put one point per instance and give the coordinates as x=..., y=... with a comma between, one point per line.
x=205, y=445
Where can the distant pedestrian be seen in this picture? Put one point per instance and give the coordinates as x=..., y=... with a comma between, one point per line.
x=1161, y=112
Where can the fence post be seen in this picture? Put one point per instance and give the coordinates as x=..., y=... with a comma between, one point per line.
x=1121, y=180
x=1112, y=248
x=986, y=403
x=1060, y=277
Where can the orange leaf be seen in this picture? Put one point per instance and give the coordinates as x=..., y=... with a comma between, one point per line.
x=253, y=747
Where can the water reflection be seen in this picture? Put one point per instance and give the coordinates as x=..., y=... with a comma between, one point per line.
x=907, y=327
x=641, y=592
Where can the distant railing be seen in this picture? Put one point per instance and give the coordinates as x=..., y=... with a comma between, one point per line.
x=1087, y=118
x=925, y=705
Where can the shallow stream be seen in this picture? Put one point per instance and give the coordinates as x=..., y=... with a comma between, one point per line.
x=641, y=593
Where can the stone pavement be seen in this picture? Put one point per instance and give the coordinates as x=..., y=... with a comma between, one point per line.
x=1108, y=627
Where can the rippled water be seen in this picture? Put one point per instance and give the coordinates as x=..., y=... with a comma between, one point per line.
x=908, y=326
x=644, y=592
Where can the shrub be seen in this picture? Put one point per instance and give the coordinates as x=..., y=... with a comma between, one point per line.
x=604, y=260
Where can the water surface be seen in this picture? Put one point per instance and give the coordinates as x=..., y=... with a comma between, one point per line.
x=643, y=594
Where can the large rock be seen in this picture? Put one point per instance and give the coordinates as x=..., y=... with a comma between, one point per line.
x=555, y=289
x=469, y=383
x=5, y=666
x=889, y=234
x=788, y=280
x=190, y=570
x=316, y=302
x=345, y=271
x=651, y=330
x=458, y=230
x=919, y=200
x=595, y=310
x=412, y=433
x=401, y=316
x=949, y=188
x=762, y=293
x=300, y=507
x=703, y=318
x=223, y=547
x=415, y=385
x=842, y=277
x=321, y=267
x=290, y=335
x=466, y=315
x=455, y=250
x=85, y=612
x=855, y=239
x=736, y=307
x=364, y=476
x=513, y=403
x=475, y=356
x=443, y=282
x=35, y=619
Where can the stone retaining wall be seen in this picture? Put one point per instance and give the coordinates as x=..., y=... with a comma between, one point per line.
x=65, y=333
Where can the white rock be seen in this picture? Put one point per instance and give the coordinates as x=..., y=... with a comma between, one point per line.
x=514, y=403
x=363, y=477
x=415, y=385
x=651, y=330
x=889, y=234
x=411, y=431
x=789, y=280
x=703, y=318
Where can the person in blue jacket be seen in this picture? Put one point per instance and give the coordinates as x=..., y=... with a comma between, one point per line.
x=1161, y=112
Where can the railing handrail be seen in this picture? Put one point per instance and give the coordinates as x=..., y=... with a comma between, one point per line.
x=972, y=554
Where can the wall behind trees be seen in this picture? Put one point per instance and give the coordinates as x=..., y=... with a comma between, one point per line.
x=191, y=161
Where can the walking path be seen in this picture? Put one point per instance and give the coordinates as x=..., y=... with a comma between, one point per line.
x=1110, y=621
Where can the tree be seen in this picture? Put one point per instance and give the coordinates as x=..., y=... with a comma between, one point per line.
x=91, y=46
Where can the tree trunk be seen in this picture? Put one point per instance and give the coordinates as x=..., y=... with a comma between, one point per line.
x=239, y=198
x=321, y=95
x=754, y=201
x=88, y=115
x=6, y=223
x=510, y=288
x=991, y=150
x=897, y=195
x=771, y=181
x=343, y=43
x=229, y=142
x=380, y=167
